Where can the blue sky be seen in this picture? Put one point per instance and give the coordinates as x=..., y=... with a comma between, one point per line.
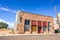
x=8, y=8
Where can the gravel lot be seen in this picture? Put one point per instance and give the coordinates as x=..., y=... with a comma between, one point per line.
x=30, y=37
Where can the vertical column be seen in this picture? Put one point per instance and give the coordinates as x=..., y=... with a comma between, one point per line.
x=36, y=27
x=42, y=26
x=30, y=27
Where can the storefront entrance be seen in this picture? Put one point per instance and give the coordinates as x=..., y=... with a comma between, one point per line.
x=33, y=26
x=39, y=27
x=27, y=26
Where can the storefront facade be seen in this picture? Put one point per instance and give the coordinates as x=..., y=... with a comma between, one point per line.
x=34, y=23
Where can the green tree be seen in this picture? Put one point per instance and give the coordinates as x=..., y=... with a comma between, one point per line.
x=3, y=25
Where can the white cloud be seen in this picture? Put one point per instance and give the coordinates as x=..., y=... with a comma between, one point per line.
x=7, y=9
x=10, y=25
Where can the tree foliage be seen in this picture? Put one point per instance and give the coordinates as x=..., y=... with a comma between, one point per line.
x=3, y=25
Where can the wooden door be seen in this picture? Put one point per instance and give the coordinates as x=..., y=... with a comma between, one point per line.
x=39, y=29
x=33, y=28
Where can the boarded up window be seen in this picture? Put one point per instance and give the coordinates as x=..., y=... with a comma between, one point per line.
x=27, y=27
x=33, y=22
x=44, y=23
x=39, y=23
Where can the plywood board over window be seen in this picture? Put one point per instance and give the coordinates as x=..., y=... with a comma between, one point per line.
x=33, y=22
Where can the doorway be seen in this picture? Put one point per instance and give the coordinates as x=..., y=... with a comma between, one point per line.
x=27, y=25
x=33, y=28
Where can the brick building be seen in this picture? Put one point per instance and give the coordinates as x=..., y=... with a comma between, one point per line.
x=33, y=23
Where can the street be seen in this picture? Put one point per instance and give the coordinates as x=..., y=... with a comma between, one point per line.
x=31, y=37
